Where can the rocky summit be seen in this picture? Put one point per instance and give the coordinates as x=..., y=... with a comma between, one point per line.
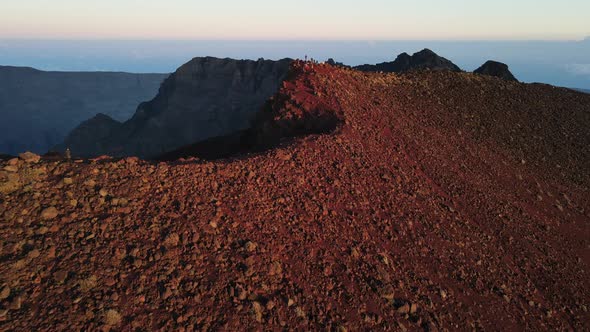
x=428, y=201
x=496, y=69
x=206, y=97
x=423, y=60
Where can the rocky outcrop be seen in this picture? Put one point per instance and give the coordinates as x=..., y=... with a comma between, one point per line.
x=39, y=108
x=334, y=63
x=423, y=60
x=496, y=69
x=295, y=110
x=90, y=134
x=206, y=97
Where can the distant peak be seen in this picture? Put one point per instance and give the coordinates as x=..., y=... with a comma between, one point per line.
x=496, y=69
x=425, y=59
x=426, y=51
x=102, y=116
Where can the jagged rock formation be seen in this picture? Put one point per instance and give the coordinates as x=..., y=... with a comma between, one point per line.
x=496, y=69
x=423, y=60
x=333, y=62
x=39, y=108
x=206, y=97
x=442, y=200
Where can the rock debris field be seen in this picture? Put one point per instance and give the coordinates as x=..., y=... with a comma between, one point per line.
x=439, y=201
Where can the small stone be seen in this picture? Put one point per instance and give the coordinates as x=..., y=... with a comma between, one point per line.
x=167, y=293
x=5, y=293
x=413, y=308
x=403, y=309
x=112, y=317
x=42, y=231
x=299, y=312
x=30, y=157
x=103, y=192
x=51, y=252
x=88, y=283
x=60, y=276
x=270, y=305
x=11, y=168
x=250, y=246
x=49, y=213
x=16, y=303
x=388, y=293
x=34, y=254
x=90, y=183
x=68, y=181
x=257, y=310
x=172, y=240
x=275, y=269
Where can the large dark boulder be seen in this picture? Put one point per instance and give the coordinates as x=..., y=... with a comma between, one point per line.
x=423, y=60
x=496, y=69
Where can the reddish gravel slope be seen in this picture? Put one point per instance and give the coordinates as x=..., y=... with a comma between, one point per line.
x=441, y=201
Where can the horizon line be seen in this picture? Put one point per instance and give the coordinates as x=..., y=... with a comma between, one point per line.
x=294, y=39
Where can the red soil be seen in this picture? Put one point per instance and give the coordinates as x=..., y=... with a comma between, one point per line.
x=441, y=201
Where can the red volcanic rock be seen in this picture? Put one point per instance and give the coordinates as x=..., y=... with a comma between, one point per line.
x=29, y=157
x=432, y=201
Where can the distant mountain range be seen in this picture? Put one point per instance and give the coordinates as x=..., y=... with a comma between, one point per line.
x=205, y=98
x=583, y=90
x=211, y=97
x=39, y=108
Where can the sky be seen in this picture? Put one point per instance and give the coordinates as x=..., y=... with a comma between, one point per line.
x=296, y=19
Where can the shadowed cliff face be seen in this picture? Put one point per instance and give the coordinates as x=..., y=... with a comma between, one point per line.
x=39, y=108
x=423, y=60
x=204, y=98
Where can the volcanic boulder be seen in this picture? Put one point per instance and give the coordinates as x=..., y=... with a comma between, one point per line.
x=496, y=69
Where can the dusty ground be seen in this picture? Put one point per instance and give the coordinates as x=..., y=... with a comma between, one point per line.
x=443, y=201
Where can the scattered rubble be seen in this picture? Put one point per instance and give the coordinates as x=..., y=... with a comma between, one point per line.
x=390, y=221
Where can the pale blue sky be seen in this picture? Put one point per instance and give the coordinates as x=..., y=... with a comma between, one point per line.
x=295, y=19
